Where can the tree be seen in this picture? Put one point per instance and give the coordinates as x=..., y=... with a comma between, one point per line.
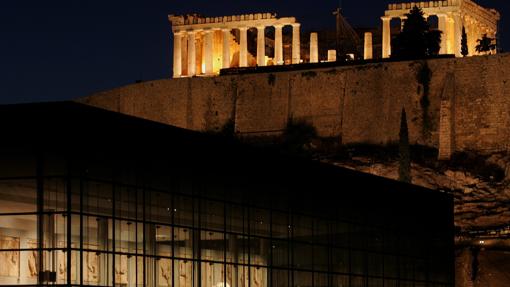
x=464, y=47
x=417, y=40
x=486, y=45
x=404, y=168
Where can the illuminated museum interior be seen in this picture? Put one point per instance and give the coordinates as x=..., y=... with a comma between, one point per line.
x=105, y=199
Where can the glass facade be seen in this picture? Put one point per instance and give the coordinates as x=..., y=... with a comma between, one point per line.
x=80, y=231
x=117, y=201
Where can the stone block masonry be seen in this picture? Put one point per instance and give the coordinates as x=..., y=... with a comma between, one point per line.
x=468, y=102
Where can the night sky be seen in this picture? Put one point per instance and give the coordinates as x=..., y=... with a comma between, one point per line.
x=58, y=50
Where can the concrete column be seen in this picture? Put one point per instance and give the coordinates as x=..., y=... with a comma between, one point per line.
x=296, y=43
x=261, y=46
x=314, y=48
x=208, y=52
x=441, y=23
x=368, y=51
x=386, y=40
x=178, y=54
x=243, y=49
x=457, y=34
x=192, y=57
x=278, y=44
x=226, y=48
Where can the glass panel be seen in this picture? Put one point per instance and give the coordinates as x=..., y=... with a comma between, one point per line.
x=10, y=261
x=183, y=244
x=260, y=221
x=212, y=215
x=212, y=245
x=320, y=279
x=164, y=241
x=183, y=273
x=23, y=228
x=340, y=280
x=97, y=198
x=122, y=269
x=320, y=258
x=125, y=202
x=322, y=233
x=303, y=228
x=18, y=196
x=260, y=251
x=358, y=262
x=212, y=274
x=280, y=278
x=303, y=256
x=259, y=277
x=390, y=266
x=281, y=225
x=302, y=279
x=375, y=264
x=340, y=260
x=183, y=210
x=280, y=253
x=55, y=198
x=235, y=219
x=357, y=281
x=406, y=268
x=160, y=209
x=375, y=282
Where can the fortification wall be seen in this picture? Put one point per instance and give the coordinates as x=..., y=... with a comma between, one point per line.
x=464, y=104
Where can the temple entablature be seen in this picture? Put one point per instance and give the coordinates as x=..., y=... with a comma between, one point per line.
x=194, y=21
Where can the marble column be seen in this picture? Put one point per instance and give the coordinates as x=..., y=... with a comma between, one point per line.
x=178, y=54
x=368, y=51
x=192, y=57
x=261, y=46
x=386, y=40
x=441, y=24
x=226, y=48
x=278, y=44
x=243, y=49
x=296, y=43
x=208, y=52
x=314, y=48
x=457, y=34
x=451, y=35
x=331, y=55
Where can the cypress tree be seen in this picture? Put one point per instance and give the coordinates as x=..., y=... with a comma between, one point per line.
x=404, y=169
x=464, y=47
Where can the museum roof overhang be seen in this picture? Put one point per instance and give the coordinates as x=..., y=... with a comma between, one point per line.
x=97, y=138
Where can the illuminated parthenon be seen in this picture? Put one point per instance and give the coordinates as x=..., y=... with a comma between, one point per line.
x=204, y=45
x=452, y=16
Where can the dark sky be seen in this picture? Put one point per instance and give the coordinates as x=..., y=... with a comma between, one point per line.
x=58, y=50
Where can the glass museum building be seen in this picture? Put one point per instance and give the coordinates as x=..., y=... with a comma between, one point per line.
x=90, y=197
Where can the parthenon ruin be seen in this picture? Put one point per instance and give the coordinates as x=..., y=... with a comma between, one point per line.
x=452, y=16
x=217, y=47
x=205, y=45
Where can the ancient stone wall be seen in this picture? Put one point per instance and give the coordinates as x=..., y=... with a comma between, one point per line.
x=452, y=104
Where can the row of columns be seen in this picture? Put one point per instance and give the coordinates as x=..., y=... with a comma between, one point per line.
x=243, y=48
x=450, y=24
